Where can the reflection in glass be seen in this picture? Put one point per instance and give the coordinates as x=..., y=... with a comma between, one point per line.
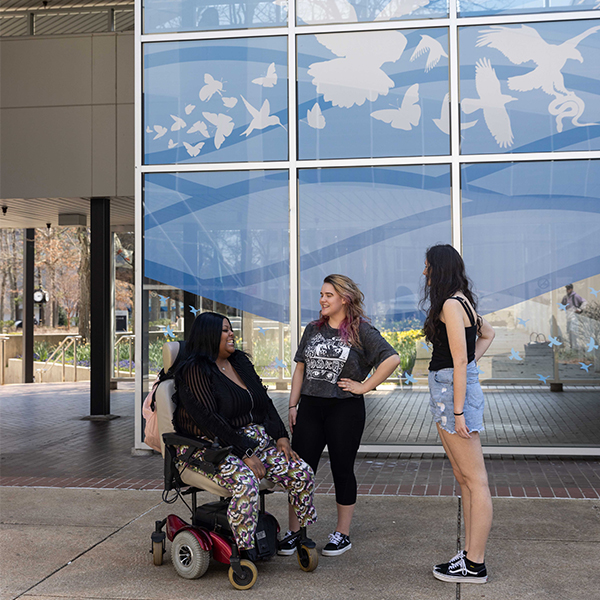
x=373, y=94
x=374, y=225
x=215, y=101
x=220, y=241
x=470, y=8
x=530, y=88
x=529, y=229
x=313, y=12
x=170, y=16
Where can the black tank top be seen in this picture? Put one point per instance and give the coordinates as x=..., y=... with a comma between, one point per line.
x=441, y=357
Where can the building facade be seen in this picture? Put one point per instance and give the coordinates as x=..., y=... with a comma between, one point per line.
x=279, y=142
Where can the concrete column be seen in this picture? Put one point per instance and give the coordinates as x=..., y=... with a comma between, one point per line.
x=27, y=316
x=100, y=310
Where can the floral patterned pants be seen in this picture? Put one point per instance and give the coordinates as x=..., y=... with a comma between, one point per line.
x=296, y=477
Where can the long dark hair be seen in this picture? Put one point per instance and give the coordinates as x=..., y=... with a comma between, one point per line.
x=355, y=311
x=202, y=346
x=446, y=276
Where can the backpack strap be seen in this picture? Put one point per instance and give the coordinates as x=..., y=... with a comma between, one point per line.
x=466, y=307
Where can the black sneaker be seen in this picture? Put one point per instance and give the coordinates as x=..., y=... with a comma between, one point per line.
x=338, y=544
x=441, y=566
x=462, y=571
x=286, y=548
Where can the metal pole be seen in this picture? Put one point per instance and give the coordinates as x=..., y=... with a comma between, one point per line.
x=27, y=317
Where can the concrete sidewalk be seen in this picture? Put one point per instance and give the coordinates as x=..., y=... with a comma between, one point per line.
x=94, y=544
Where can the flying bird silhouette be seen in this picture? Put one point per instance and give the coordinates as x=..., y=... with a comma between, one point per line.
x=179, y=123
x=189, y=108
x=514, y=355
x=480, y=370
x=260, y=118
x=160, y=131
x=262, y=331
x=223, y=123
x=409, y=378
x=562, y=306
x=592, y=345
x=229, y=102
x=200, y=127
x=435, y=49
x=315, y=117
x=172, y=144
x=595, y=292
x=193, y=150
x=554, y=342
x=523, y=44
x=279, y=363
x=424, y=345
x=443, y=123
x=163, y=298
x=193, y=310
x=492, y=101
x=585, y=367
x=356, y=76
x=168, y=332
x=407, y=115
x=542, y=378
x=521, y=321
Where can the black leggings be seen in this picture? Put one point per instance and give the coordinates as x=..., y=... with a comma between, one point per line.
x=339, y=425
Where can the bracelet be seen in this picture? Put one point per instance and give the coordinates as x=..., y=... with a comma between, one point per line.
x=290, y=407
x=459, y=414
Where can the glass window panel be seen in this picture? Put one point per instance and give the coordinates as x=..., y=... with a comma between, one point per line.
x=470, y=8
x=314, y=12
x=529, y=229
x=373, y=94
x=170, y=16
x=220, y=241
x=215, y=101
x=530, y=88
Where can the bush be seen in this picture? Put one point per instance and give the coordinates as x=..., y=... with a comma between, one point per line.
x=405, y=344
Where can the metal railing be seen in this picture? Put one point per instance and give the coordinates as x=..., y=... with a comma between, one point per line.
x=58, y=357
x=128, y=338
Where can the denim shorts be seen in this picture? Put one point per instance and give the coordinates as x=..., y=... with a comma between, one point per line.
x=441, y=400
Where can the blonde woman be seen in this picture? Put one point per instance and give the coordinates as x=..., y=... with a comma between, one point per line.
x=327, y=406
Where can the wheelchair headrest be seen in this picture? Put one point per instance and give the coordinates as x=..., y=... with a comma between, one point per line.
x=172, y=352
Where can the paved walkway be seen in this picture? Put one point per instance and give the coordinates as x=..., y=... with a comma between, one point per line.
x=45, y=442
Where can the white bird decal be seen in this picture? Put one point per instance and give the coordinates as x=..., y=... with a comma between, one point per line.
x=491, y=100
x=212, y=87
x=443, y=123
x=193, y=150
x=396, y=9
x=270, y=79
x=189, y=108
x=229, y=102
x=200, y=127
x=160, y=131
x=149, y=129
x=523, y=44
x=172, y=144
x=315, y=117
x=435, y=49
x=179, y=123
x=407, y=116
x=224, y=125
x=356, y=76
x=260, y=118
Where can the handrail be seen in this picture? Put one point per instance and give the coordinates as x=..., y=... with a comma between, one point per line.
x=62, y=347
x=3, y=340
x=130, y=339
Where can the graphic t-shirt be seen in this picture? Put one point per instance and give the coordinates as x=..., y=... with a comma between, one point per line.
x=327, y=358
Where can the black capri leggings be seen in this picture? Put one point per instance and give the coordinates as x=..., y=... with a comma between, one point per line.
x=339, y=425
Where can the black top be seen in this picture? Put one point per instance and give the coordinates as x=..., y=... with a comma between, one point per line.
x=441, y=357
x=214, y=406
x=327, y=358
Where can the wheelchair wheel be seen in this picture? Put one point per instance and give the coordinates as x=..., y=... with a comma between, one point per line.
x=249, y=577
x=189, y=559
x=308, y=558
x=157, y=553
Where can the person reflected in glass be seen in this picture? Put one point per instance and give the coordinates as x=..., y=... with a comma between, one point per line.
x=575, y=305
x=460, y=337
x=221, y=397
x=327, y=406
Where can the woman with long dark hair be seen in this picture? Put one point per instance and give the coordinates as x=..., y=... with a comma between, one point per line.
x=460, y=337
x=221, y=398
x=327, y=405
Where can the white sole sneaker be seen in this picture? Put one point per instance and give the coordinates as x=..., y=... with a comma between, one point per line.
x=336, y=552
x=459, y=578
x=286, y=552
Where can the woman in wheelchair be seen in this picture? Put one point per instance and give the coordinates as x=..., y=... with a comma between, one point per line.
x=220, y=397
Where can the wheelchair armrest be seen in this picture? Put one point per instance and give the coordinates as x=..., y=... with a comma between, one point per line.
x=211, y=458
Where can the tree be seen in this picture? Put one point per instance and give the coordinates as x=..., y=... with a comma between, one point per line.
x=83, y=238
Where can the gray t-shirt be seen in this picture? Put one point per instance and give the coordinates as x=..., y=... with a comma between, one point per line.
x=327, y=358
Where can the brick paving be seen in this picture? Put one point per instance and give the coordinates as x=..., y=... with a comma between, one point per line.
x=45, y=443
